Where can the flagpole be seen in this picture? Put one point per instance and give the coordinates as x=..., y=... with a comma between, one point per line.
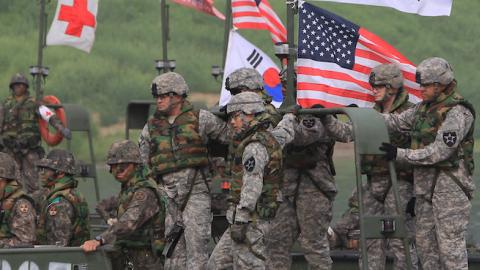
x=37, y=72
x=228, y=26
x=291, y=95
x=164, y=35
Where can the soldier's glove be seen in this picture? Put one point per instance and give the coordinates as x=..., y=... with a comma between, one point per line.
x=238, y=231
x=411, y=207
x=390, y=151
x=66, y=132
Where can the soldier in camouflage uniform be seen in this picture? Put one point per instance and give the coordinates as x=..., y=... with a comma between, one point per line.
x=390, y=97
x=17, y=216
x=140, y=227
x=173, y=144
x=441, y=151
x=63, y=219
x=249, y=80
x=19, y=130
x=255, y=166
x=349, y=222
x=308, y=192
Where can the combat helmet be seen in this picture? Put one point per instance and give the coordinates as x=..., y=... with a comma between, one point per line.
x=170, y=82
x=244, y=78
x=59, y=160
x=124, y=151
x=389, y=75
x=18, y=78
x=246, y=102
x=434, y=70
x=8, y=167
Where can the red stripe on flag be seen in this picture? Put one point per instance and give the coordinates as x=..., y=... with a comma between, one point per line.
x=332, y=75
x=251, y=25
x=308, y=103
x=335, y=91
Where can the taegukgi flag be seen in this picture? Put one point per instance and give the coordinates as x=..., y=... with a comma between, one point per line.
x=420, y=7
x=241, y=53
x=74, y=24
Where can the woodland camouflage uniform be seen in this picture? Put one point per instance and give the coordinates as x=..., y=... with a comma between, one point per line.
x=17, y=216
x=63, y=219
x=138, y=232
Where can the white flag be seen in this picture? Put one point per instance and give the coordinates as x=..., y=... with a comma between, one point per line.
x=74, y=24
x=241, y=53
x=421, y=7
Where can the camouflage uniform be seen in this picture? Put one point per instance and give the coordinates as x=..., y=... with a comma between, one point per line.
x=20, y=133
x=17, y=218
x=181, y=171
x=349, y=221
x=63, y=219
x=378, y=197
x=441, y=152
x=255, y=165
x=139, y=231
x=308, y=192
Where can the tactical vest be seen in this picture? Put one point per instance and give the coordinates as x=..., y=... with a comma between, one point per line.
x=20, y=122
x=13, y=192
x=374, y=164
x=80, y=224
x=176, y=146
x=272, y=114
x=429, y=118
x=151, y=234
x=272, y=174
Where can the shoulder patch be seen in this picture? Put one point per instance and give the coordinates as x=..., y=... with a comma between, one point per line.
x=249, y=164
x=24, y=208
x=449, y=138
x=140, y=195
x=308, y=123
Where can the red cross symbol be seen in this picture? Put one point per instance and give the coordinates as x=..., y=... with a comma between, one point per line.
x=47, y=113
x=77, y=17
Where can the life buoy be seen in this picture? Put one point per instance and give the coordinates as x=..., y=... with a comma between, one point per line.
x=52, y=139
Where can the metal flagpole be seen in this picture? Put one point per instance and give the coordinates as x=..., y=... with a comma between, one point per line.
x=291, y=95
x=38, y=71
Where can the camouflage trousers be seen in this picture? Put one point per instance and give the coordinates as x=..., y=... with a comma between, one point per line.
x=28, y=171
x=376, y=248
x=229, y=254
x=441, y=228
x=191, y=251
x=307, y=219
x=137, y=259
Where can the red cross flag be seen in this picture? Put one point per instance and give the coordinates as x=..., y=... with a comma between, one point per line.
x=74, y=24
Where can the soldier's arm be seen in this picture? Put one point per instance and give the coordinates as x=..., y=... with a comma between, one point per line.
x=401, y=123
x=340, y=131
x=212, y=127
x=61, y=222
x=144, y=144
x=284, y=132
x=255, y=158
x=22, y=225
x=141, y=209
x=452, y=131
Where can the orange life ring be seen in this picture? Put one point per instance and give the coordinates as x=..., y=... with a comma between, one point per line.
x=52, y=139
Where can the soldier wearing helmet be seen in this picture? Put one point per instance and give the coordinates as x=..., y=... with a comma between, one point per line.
x=139, y=229
x=19, y=114
x=255, y=167
x=17, y=218
x=63, y=218
x=441, y=152
x=173, y=145
x=386, y=81
x=250, y=80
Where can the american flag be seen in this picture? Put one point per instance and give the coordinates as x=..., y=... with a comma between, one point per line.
x=335, y=57
x=258, y=14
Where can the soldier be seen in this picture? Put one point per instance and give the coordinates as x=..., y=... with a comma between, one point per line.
x=249, y=80
x=140, y=227
x=390, y=97
x=19, y=130
x=308, y=192
x=348, y=223
x=63, y=220
x=441, y=151
x=17, y=216
x=173, y=144
x=255, y=165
